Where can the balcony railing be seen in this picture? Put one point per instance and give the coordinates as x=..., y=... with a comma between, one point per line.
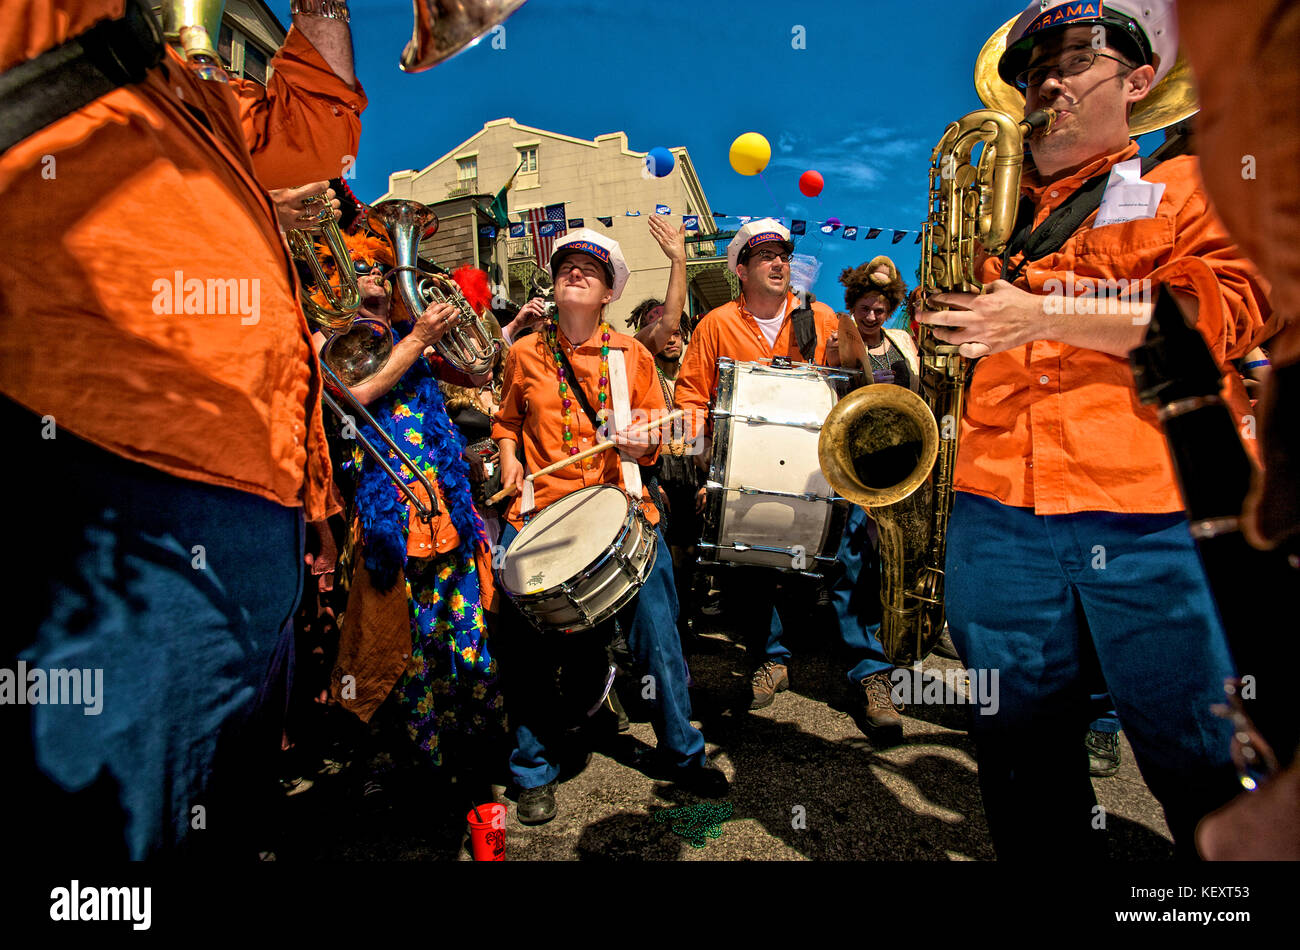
x=465, y=186
x=520, y=249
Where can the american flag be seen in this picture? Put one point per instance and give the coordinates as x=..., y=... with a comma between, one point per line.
x=547, y=224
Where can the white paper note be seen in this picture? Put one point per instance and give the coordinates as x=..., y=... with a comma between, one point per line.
x=1127, y=196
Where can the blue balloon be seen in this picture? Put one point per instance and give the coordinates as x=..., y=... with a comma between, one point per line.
x=659, y=162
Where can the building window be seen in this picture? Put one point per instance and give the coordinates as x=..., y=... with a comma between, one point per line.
x=255, y=62
x=528, y=156
x=225, y=45
x=468, y=168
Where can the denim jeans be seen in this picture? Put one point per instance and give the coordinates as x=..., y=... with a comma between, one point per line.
x=1047, y=600
x=183, y=595
x=855, y=595
x=1106, y=721
x=529, y=661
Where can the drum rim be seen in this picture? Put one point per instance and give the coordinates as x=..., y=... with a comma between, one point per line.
x=633, y=507
x=652, y=546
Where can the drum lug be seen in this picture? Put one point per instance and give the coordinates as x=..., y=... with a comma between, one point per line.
x=567, y=590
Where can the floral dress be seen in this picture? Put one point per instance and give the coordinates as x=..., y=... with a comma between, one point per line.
x=450, y=688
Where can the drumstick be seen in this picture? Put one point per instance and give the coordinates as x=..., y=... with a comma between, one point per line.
x=602, y=446
x=587, y=453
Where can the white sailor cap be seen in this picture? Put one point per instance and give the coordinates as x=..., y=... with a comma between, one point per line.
x=753, y=234
x=602, y=248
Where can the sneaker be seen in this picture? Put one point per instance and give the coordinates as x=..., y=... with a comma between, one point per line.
x=878, y=706
x=768, y=680
x=295, y=786
x=1103, y=753
x=536, y=805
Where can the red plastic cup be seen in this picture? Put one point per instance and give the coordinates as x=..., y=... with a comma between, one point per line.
x=487, y=838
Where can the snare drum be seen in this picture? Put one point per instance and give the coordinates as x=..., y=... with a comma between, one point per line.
x=580, y=559
x=768, y=502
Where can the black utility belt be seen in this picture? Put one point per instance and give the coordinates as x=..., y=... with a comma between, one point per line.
x=109, y=55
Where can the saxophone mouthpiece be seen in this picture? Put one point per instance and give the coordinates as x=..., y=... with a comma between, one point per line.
x=1038, y=122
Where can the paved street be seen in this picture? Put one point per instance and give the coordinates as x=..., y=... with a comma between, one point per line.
x=806, y=785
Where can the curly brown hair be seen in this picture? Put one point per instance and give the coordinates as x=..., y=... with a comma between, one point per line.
x=641, y=316
x=860, y=281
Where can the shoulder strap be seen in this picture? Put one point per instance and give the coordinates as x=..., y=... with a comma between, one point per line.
x=1050, y=236
x=803, y=331
x=110, y=54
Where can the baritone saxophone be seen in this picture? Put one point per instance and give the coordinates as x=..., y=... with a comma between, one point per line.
x=893, y=452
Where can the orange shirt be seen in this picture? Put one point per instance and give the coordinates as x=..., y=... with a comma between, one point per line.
x=1058, y=428
x=129, y=205
x=731, y=331
x=531, y=413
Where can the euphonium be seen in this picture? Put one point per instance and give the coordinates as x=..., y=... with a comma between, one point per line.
x=469, y=345
x=881, y=447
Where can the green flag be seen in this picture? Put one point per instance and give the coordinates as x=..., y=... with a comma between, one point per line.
x=498, y=209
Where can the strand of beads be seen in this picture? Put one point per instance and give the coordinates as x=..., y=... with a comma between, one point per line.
x=602, y=413
x=566, y=398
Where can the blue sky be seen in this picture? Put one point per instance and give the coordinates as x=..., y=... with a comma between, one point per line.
x=863, y=104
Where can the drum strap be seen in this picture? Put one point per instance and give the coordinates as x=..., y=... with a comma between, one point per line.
x=618, y=389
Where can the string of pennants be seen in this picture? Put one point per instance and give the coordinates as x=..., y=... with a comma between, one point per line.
x=848, y=232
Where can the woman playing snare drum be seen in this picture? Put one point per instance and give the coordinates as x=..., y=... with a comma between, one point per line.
x=542, y=414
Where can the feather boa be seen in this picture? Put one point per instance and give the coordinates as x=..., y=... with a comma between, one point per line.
x=382, y=505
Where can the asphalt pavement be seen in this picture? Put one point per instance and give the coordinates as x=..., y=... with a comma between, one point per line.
x=806, y=782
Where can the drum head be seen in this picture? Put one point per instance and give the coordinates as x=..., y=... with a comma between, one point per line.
x=564, y=539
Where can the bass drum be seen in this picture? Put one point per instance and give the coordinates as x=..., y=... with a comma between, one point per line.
x=580, y=560
x=769, y=504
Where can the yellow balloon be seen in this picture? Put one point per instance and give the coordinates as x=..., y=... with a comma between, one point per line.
x=750, y=153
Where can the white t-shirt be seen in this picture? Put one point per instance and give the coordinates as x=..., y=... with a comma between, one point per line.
x=772, y=325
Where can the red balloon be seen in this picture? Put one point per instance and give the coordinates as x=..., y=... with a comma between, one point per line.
x=811, y=183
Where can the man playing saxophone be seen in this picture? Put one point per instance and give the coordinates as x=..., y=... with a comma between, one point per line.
x=1068, y=551
x=163, y=382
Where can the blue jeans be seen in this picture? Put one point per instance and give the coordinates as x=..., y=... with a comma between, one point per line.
x=183, y=595
x=855, y=595
x=1106, y=720
x=1046, y=601
x=529, y=662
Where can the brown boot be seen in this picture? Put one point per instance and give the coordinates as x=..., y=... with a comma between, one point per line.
x=879, y=708
x=768, y=680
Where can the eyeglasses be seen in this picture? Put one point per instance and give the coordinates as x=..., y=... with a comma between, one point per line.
x=1072, y=64
x=366, y=268
x=762, y=257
